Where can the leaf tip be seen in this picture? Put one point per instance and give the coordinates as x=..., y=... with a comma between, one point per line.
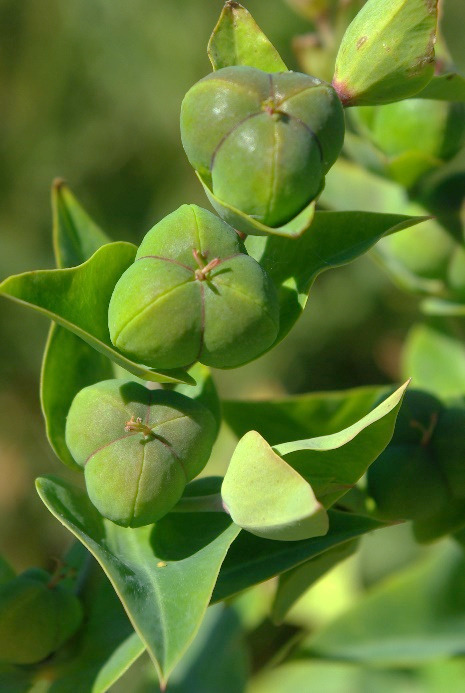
x=58, y=183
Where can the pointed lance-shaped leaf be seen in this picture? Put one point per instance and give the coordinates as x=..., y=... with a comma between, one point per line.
x=332, y=464
x=448, y=87
x=69, y=363
x=76, y=236
x=387, y=52
x=238, y=40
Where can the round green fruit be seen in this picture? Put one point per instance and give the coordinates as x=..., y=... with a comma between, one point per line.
x=139, y=447
x=436, y=128
x=425, y=250
x=406, y=483
x=36, y=617
x=193, y=294
x=448, y=443
x=406, y=480
x=262, y=142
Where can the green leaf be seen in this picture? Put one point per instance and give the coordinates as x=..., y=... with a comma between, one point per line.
x=165, y=601
x=6, y=571
x=237, y=40
x=265, y=496
x=218, y=656
x=104, y=648
x=248, y=224
x=15, y=679
x=332, y=464
x=301, y=416
x=451, y=21
x=387, y=52
x=294, y=583
x=76, y=237
x=252, y=560
x=449, y=87
x=427, y=346
x=77, y=298
x=411, y=618
x=334, y=239
x=449, y=519
x=69, y=363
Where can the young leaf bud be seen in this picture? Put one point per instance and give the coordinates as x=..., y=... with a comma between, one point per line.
x=387, y=53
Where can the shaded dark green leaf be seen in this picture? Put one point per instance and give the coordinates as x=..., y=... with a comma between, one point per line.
x=251, y=560
x=449, y=87
x=301, y=416
x=165, y=601
x=69, y=363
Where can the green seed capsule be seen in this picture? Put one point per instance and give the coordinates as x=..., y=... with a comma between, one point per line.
x=35, y=618
x=448, y=444
x=436, y=128
x=425, y=251
x=406, y=483
x=193, y=294
x=139, y=447
x=406, y=480
x=263, y=142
